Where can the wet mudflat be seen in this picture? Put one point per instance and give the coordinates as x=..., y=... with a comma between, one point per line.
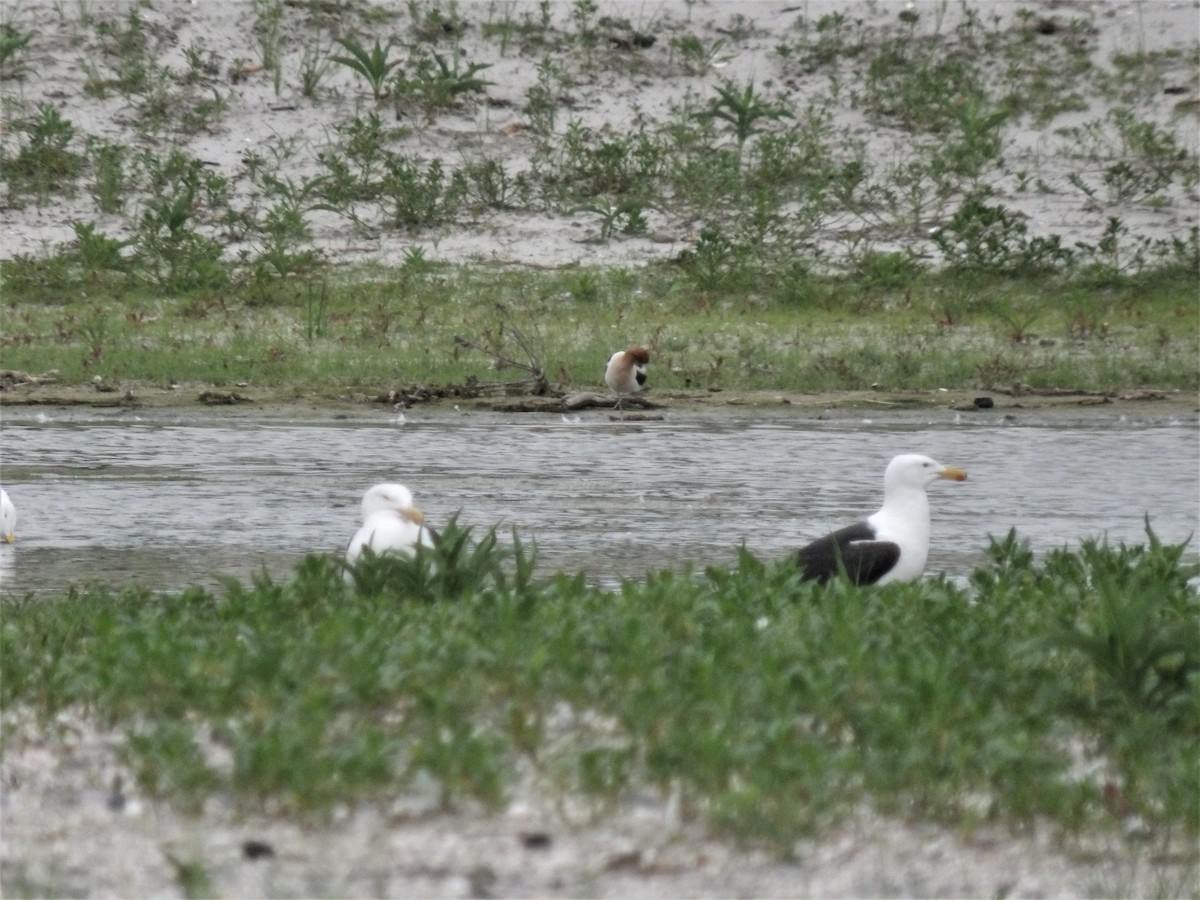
x=169, y=498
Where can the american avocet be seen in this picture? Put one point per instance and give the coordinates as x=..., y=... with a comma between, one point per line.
x=626, y=372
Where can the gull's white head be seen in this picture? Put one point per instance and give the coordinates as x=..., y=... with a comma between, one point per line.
x=391, y=497
x=391, y=523
x=912, y=470
x=8, y=518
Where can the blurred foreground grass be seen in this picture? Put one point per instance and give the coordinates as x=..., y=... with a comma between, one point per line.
x=1065, y=690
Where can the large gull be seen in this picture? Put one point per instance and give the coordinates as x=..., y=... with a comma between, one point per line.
x=8, y=518
x=892, y=544
x=392, y=523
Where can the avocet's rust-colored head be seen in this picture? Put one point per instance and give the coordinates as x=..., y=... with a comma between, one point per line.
x=640, y=355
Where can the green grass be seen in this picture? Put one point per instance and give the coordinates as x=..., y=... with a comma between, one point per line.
x=374, y=330
x=775, y=707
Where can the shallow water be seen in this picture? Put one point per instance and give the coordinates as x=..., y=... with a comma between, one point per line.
x=169, y=499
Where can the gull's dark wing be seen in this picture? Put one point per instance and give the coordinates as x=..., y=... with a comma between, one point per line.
x=866, y=560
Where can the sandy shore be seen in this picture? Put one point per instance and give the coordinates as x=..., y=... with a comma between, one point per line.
x=76, y=824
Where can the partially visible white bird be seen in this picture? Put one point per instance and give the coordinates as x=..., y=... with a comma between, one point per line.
x=626, y=372
x=8, y=518
x=890, y=545
x=391, y=523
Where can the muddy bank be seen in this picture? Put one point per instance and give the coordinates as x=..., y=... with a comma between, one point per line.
x=287, y=401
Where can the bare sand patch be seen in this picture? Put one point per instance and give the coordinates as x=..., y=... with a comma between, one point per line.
x=624, y=86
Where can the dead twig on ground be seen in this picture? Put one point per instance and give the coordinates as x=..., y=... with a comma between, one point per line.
x=10, y=378
x=536, y=382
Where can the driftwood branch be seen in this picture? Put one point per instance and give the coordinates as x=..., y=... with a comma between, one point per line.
x=413, y=394
x=222, y=398
x=594, y=400
x=1025, y=390
x=535, y=383
x=10, y=378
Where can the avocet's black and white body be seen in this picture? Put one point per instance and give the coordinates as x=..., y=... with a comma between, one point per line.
x=626, y=372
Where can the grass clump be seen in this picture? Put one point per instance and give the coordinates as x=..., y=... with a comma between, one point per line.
x=772, y=706
x=44, y=163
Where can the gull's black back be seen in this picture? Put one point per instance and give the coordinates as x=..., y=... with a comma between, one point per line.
x=865, y=559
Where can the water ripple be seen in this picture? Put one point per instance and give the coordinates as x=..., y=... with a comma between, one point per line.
x=171, y=503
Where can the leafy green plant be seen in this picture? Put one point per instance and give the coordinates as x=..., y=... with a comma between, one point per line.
x=96, y=252
x=281, y=231
x=12, y=42
x=583, y=18
x=489, y=184
x=909, y=83
x=201, y=111
x=95, y=331
x=833, y=37
x=435, y=20
x=1133, y=627
x=627, y=214
x=194, y=878
x=715, y=261
x=1146, y=157
x=416, y=196
x=695, y=57
x=130, y=44
x=541, y=100
x=268, y=32
x=316, y=309
x=44, y=163
x=163, y=98
x=743, y=110
x=587, y=164
x=175, y=254
x=372, y=65
x=284, y=248
x=203, y=64
x=167, y=762
x=352, y=165
x=586, y=287
x=457, y=568
x=437, y=83
x=531, y=31
x=741, y=28
x=1128, y=615
x=111, y=183
x=989, y=238
x=314, y=66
